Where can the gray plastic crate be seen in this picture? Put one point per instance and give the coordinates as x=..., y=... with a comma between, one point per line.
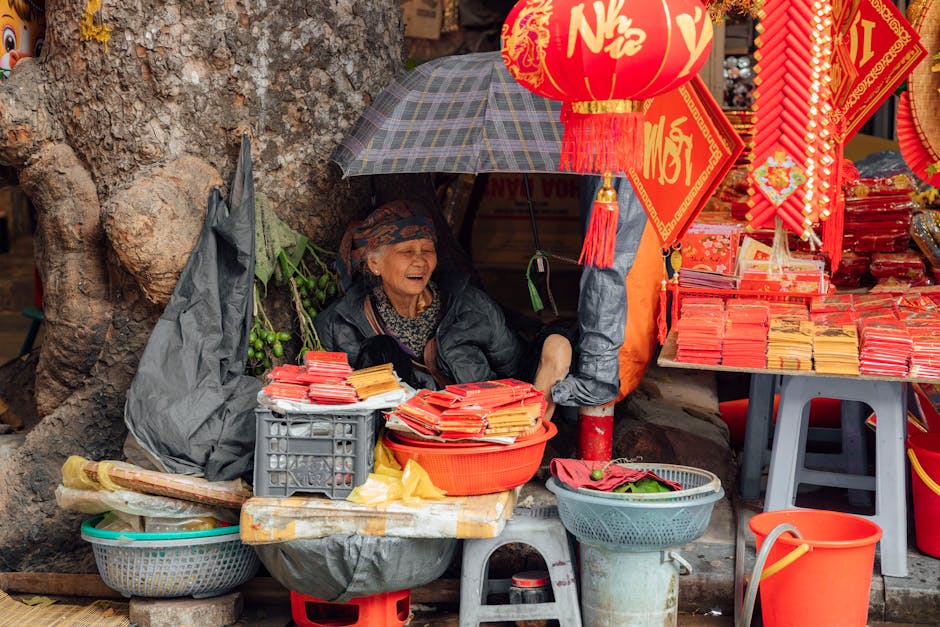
x=328, y=454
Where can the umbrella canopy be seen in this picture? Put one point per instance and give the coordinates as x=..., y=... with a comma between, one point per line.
x=461, y=113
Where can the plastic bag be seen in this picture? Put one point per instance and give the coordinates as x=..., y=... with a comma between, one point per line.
x=135, y=503
x=390, y=483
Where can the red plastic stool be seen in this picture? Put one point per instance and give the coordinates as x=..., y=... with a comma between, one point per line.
x=390, y=609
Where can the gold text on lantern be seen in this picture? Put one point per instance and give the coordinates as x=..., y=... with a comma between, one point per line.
x=667, y=157
x=613, y=33
x=696, y=42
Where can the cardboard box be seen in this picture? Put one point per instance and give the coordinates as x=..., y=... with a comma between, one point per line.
x=422, y=18
x=502, y=228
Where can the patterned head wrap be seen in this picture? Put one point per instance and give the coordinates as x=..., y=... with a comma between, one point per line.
x=390, y=223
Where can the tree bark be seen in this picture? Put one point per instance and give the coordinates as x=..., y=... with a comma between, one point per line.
x=118, y=145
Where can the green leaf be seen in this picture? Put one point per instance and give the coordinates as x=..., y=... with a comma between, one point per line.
x=272, y=235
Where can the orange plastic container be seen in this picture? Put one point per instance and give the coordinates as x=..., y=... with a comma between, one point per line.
x=830, y=584
x=924, y=451
x=466, y=470
x=391, y=609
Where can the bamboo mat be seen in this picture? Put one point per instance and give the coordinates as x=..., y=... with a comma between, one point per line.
x=98, y=614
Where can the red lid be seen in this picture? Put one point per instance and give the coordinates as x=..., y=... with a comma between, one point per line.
x=530, y=579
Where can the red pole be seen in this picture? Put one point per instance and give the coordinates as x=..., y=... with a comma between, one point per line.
x=596, y=433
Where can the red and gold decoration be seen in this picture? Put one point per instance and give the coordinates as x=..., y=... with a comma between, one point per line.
x=918, y=123
x=603, y=59
x=854, y=54
x=690, y=146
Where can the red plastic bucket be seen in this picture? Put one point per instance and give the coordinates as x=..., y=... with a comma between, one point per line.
x=830, y=584
x=924, y=452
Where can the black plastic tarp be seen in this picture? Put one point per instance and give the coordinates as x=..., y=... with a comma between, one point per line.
x=341, y=567
x=190, y=405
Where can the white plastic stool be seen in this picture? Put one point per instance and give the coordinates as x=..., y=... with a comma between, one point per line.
x=541, y=529
x=787, y=461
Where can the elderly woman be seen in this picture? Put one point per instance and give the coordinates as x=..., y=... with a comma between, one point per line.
x=436, y=328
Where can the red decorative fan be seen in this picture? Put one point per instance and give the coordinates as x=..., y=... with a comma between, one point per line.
x=915, y=148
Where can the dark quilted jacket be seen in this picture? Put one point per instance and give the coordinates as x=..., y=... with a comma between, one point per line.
x=474, y=341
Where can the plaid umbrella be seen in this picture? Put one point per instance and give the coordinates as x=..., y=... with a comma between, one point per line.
x=462, y=113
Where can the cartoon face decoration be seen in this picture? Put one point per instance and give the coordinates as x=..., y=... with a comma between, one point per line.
x=22, y=30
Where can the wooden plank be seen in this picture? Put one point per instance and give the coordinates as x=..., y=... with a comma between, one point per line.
x=260, y=590
x=64, y=584
x=667, y=359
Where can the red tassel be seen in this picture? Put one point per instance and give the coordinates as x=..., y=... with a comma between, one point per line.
x=601, y=237
x=661, y=315
x=601, y=142
x=834, y=226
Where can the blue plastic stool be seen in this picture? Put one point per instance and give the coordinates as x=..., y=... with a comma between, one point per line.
x=853, y=457
x=542, y=530
x=788, y=462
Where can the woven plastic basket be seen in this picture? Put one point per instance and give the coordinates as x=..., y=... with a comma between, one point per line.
x=190, y=563
x=636, y=522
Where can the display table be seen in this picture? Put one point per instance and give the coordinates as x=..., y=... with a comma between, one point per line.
x=267, y=520
x=886, y=395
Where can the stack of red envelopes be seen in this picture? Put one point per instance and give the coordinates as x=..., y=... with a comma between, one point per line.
x=327, y=372
x=506, y=407
x=322, y=380
x=886, y=346
x=700, y=330
x=745, y=340
x=925, y=351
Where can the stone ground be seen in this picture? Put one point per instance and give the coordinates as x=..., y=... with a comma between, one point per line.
x=706, y=596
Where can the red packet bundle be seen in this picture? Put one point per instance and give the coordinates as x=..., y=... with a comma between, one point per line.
x=883, y=304
x=832, y=302
x=852, y=271
x=907, y=266
x=327, y=366
x=286, y=391
x=788, y=311
x=483, y=393
x=925, y=350
x=332, y=393
x=745, y=338
x=711, y=247
x=886, y=346
x=834, y=318
x=790, y=344
x=288, y=373
x=700, y=330
x=835, y=347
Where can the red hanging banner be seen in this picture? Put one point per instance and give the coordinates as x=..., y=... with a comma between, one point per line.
x=690, y=147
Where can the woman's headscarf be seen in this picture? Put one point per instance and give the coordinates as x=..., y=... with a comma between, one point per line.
x=390, y=223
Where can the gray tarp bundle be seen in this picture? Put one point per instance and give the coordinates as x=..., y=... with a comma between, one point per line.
x=341, y=567
x=190, y=405
x=602, y=304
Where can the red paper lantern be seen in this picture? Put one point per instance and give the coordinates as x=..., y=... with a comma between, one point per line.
x=603, y=59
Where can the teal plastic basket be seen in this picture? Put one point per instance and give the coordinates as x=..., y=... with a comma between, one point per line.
x=172, y=564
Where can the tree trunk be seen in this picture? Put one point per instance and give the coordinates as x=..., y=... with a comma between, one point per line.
x=118, y=144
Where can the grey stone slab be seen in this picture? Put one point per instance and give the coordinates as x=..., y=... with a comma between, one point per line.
x=219, y=611
x=915, y=598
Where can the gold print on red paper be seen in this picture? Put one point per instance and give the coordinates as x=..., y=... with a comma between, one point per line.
x=612, y=32
x=667, y=157
x=861, y=50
